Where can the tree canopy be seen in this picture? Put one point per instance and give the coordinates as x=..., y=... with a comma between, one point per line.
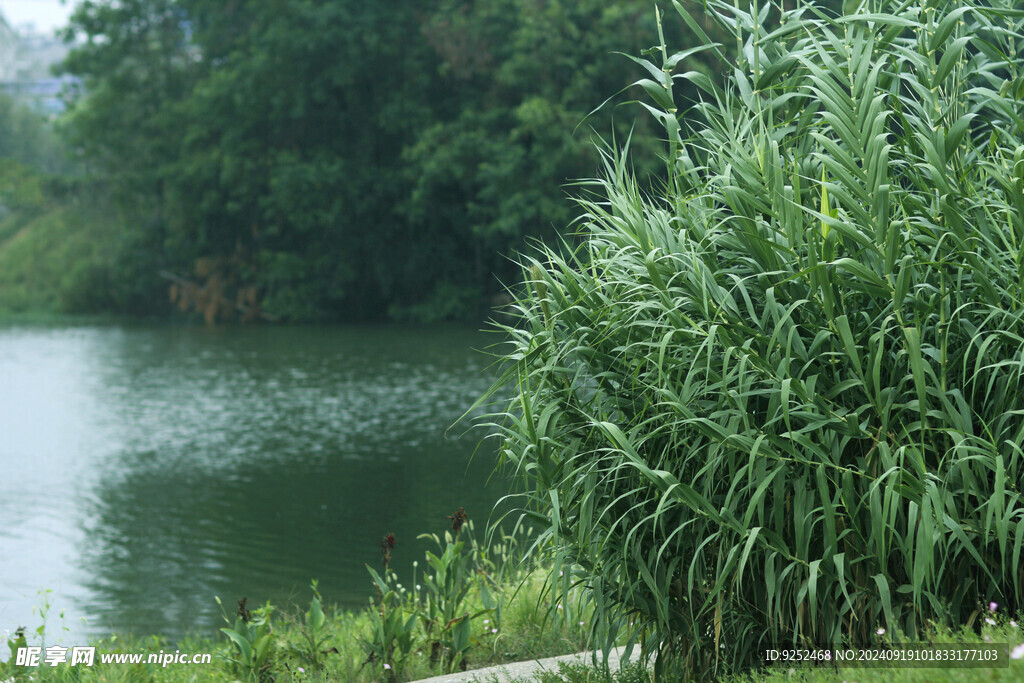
x=342, y=160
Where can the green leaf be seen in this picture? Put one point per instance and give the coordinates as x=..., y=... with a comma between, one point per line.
x=946, y=26
x=886, y=600
x=950, y=57
x=315, y=615
x=243, y=645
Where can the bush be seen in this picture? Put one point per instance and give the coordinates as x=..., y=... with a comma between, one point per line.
x=781, y=401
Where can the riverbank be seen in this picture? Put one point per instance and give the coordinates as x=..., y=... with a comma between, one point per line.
x=57, y=258
x=472, y=613
x=526, y=634
x=324, y=643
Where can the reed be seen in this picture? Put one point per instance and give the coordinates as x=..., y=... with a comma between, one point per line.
x=779, y=400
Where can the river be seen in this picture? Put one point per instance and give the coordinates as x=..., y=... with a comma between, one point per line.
x=146, y=469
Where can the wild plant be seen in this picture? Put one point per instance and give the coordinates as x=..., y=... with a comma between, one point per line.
x=44, y=609
x=313, y=649
x=502, y=563
x=10, y=670
x=393, y=619
x=447, y=622
x=778, y=400
x=252, y=640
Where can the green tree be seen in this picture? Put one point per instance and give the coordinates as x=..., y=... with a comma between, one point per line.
x=334, y=159
x=28, y=138
x=255, y=141
x=520, y=78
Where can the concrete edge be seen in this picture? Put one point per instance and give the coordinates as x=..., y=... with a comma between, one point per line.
x=512, y=670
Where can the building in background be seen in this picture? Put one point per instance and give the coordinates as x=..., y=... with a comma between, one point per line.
x=8, y=49
x=27, y=57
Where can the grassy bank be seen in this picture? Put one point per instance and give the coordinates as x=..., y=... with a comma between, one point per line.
x=55, y=260
x=503, y=609
x=526, y=632
x=468, y=607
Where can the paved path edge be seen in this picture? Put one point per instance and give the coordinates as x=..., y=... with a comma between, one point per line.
x=511, y=670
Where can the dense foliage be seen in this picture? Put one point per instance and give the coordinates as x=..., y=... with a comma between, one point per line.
x=29, y=154
x=27, y=138
x=332, y=159
x=780, y=403
x=54, y=247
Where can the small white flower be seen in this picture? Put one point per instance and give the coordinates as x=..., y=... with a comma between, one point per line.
x=418, y=587
x=1017, y=652
x=880, y=631
x=990, y=621
x=387, y=666
x=992, y=607
x=487, y=621
x=1013, y=623
x=301, y=670
x=494, y=630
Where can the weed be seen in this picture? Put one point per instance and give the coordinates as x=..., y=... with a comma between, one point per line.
x=312, y=650
x=393, y=618
x=10, y=670
x=447, y=622
x=253, y=642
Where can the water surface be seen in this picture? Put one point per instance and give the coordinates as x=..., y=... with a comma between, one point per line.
x=146, y=469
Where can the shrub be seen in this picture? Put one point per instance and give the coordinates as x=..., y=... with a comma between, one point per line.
x=780, y=401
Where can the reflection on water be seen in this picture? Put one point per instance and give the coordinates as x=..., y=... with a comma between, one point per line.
x=148, y=469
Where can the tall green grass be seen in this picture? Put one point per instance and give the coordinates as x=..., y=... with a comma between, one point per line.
x=780, y=400
x=59, y=260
